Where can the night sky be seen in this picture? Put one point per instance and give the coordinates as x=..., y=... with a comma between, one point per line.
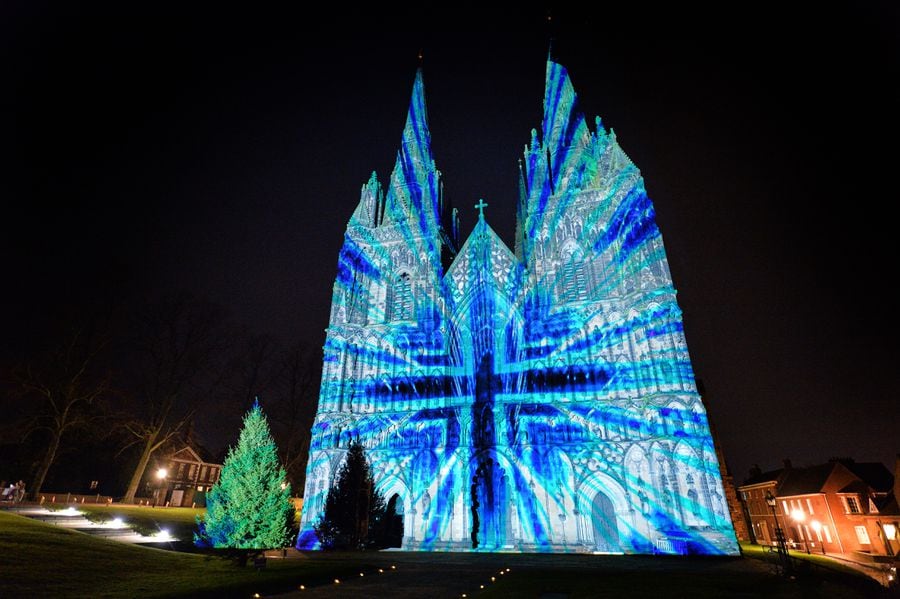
x=149, y=150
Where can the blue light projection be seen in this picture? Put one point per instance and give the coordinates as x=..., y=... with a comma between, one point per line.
x=541, y=400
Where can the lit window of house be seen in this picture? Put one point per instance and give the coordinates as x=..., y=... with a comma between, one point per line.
x=852, y=505
x=863, y=535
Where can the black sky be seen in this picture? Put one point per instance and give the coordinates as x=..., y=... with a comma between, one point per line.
x=150, y=149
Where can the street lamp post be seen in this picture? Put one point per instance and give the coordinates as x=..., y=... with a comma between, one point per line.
x=817, y=526
x=160, y=476
x=799, y=517
x=779, y=536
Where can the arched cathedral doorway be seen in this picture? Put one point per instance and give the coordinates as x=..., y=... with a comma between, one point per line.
x=603, y=518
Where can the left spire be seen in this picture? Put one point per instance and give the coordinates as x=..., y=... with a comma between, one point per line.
x=416, y=136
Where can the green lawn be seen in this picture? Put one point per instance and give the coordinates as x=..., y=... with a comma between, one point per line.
x=43, y=560
x=179, y=521
x=38, y=559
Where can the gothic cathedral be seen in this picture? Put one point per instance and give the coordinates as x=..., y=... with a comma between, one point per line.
x=535, y=400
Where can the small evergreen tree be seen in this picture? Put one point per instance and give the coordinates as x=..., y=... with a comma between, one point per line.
x=250, y=507
x=355, y=512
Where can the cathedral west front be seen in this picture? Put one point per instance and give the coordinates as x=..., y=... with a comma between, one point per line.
x=539, y=398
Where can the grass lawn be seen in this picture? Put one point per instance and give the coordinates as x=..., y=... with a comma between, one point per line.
x=43, y=560
x=38, y=559
x=179, y=521
x=750, y=576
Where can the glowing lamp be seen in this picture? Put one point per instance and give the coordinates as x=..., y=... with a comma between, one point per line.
x=817, y=526
x=798, y=515
x=162, y=473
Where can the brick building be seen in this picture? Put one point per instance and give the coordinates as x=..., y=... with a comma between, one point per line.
x=188, y=477
x=837, y=507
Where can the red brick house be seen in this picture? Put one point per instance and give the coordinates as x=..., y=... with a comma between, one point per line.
x=837, y=507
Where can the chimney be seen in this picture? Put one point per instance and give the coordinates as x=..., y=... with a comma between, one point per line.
x=787, y=463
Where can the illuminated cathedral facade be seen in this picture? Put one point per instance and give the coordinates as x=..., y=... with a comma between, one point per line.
x=540, y=399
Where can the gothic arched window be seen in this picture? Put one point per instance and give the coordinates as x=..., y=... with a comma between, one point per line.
x=572, y=280
x=356, y=301
x=401, y=307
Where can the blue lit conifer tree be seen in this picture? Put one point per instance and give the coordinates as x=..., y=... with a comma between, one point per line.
x=250, y=507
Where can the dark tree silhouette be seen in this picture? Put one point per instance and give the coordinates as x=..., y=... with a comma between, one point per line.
x=294, y=410
x=179, y=343
x=355, y=513
x=64, y=384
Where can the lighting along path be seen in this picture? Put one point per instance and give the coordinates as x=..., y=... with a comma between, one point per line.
x=70, y=517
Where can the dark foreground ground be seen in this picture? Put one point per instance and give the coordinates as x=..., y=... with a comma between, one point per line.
x=409, y=574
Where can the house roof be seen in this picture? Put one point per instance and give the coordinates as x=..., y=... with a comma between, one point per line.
x=194, y=453
x=764, y=477
x=802, y=481
x=874, y=474
x=887, y=505
x=856, y=486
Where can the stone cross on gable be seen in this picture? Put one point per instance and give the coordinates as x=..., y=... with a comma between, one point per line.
x=481, y=205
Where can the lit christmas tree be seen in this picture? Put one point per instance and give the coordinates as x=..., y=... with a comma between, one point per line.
x=250, y=507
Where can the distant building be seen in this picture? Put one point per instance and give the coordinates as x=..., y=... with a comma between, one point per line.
x=188, y=478
x=841, y=506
